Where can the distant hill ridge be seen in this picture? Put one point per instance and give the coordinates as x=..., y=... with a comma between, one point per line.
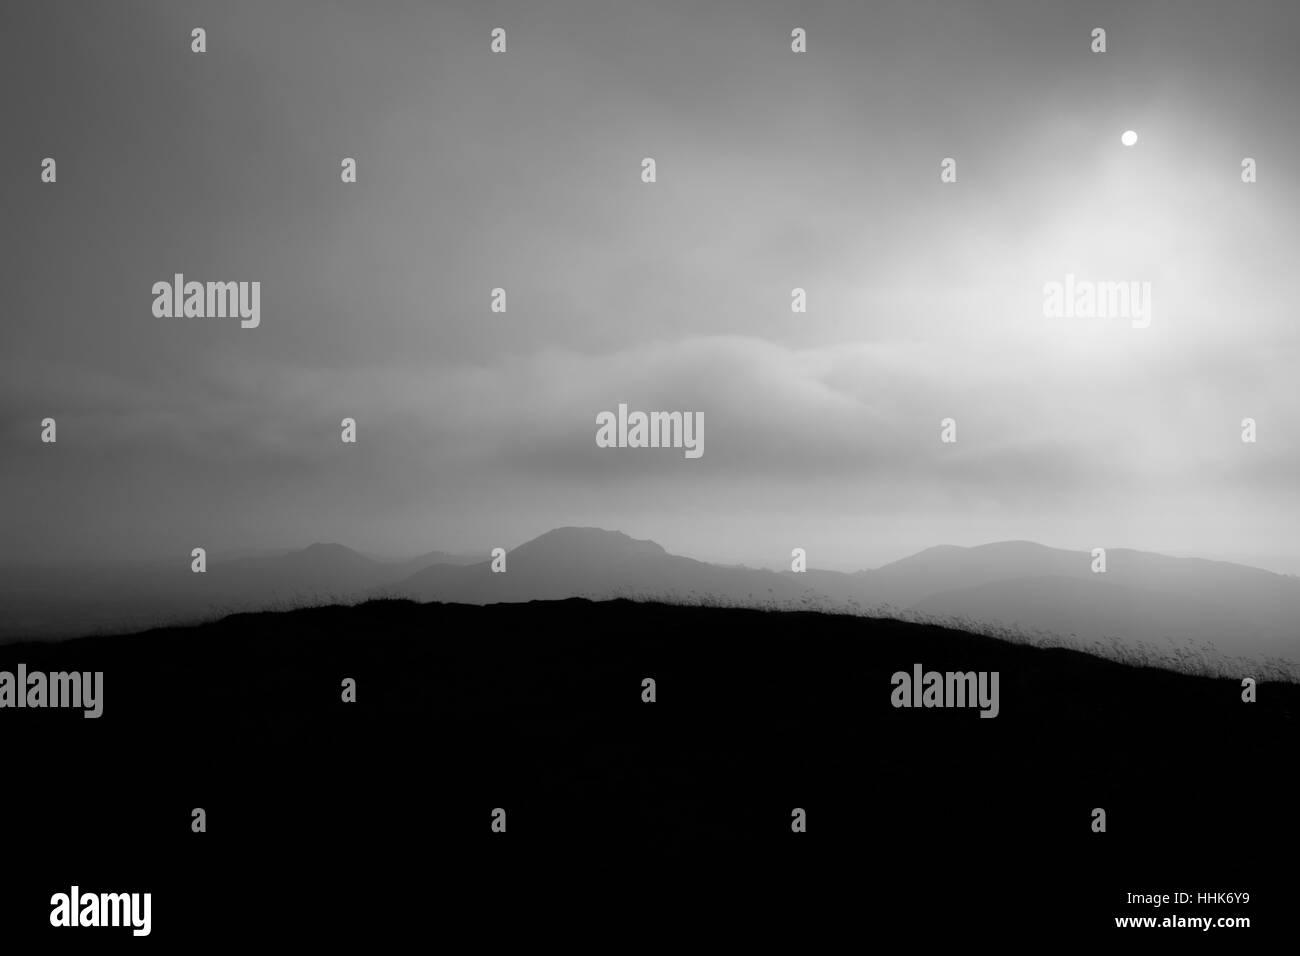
x=1210, y=612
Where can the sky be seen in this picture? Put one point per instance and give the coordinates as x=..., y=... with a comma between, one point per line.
x=775, y=170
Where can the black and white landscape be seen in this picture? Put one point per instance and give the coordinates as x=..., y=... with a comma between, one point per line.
x=494, y=466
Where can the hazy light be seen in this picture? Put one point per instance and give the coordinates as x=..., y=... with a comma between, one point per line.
x=1129, y=137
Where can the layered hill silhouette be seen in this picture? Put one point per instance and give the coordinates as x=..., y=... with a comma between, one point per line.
x=1210, y=616
x=68, y=601
x=1188, y=609
x=594, y=563
x=1198, y=613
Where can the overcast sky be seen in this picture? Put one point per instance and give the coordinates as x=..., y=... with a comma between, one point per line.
x=775, y=170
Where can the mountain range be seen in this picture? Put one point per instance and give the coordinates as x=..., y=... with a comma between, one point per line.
x=1146, y=606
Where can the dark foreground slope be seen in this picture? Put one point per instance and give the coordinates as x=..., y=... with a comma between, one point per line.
x=327, y=818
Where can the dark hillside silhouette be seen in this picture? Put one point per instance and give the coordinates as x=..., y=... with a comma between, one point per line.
x=913, y=814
